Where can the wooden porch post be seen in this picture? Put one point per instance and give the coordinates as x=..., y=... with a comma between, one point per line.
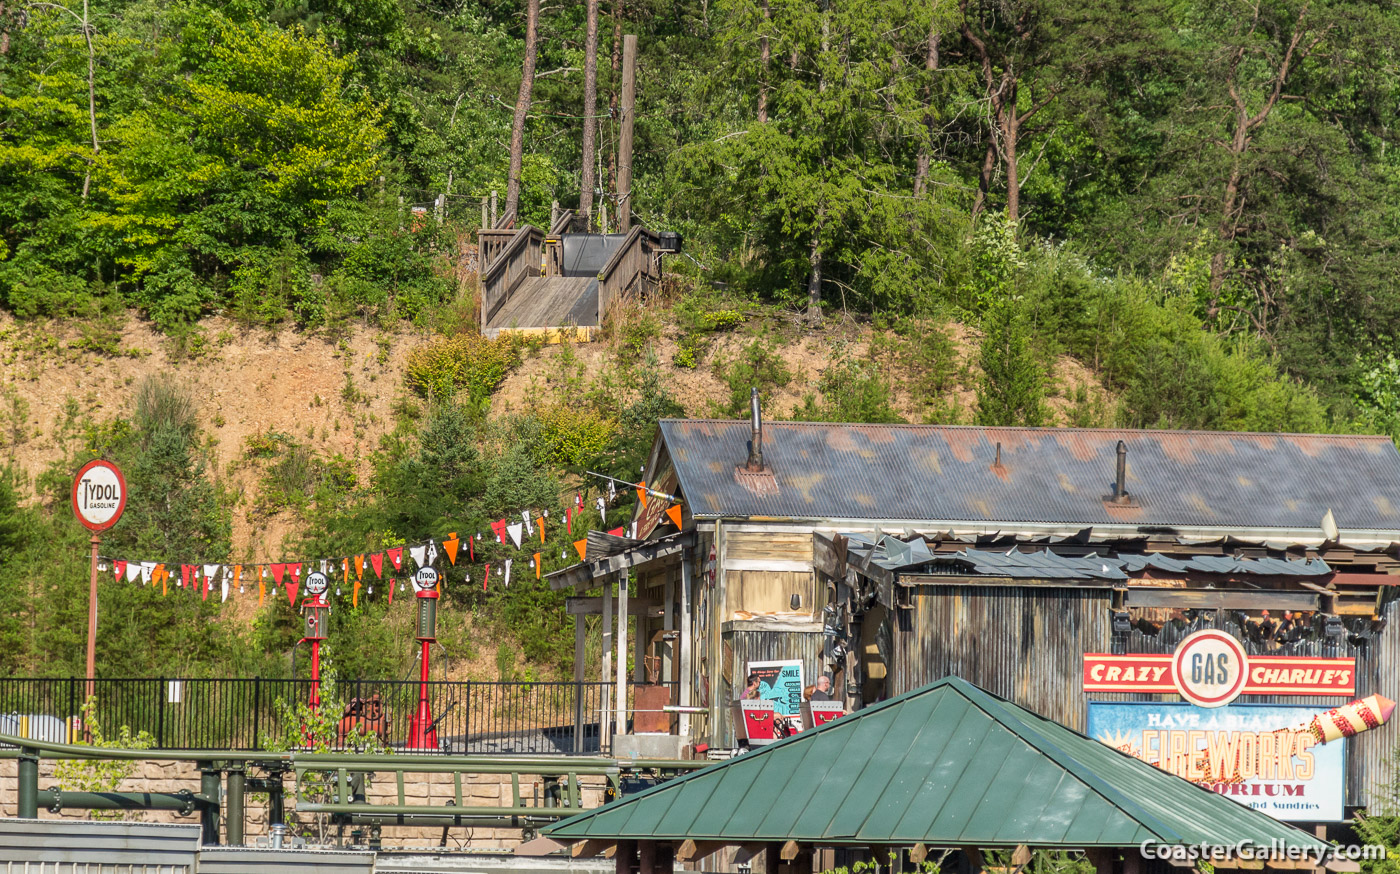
x=622, y=653
x=604, y=719
x=578, y=684
x=647, y=862
x=625, y=857
x=686, y=645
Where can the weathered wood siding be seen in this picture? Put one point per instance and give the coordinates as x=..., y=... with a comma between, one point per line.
x=1027, y=643
x=763, y=570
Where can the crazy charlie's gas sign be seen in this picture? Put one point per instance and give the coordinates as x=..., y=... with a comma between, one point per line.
x=1211, y=669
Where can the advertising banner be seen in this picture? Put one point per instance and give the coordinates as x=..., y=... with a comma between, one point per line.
x=781, y=683
x=1262, y=755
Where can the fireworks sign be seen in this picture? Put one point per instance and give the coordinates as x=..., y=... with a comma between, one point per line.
x=1266, y=757
x=1210, y=669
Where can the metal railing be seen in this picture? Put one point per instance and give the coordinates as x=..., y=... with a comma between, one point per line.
x=251, y=714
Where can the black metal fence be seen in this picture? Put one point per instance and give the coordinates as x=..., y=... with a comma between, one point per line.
x=256, y=714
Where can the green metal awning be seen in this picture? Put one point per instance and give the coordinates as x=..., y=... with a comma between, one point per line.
x=945, y=765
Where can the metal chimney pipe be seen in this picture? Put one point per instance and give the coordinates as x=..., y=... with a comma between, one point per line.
x=756, y=439
x=1120, y=483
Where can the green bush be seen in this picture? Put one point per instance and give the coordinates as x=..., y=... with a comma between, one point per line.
x=852, y=391
x=467, y=364
x=757, y=365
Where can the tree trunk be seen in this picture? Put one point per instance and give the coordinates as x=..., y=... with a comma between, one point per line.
x=814, y=282
x=921, y=168
x=92, y=100
x=590, y=108
x=522, y=103
x=4, y=29
x=1010, y=132
x=764, y=52
x=617, y=8
x=984, y=182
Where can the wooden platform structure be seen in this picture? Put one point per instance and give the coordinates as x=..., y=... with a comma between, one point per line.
x=528, y=283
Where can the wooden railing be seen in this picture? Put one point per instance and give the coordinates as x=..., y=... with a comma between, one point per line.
x=492, y=241
x=517, y=261
x=554, y=243
x=634, y=268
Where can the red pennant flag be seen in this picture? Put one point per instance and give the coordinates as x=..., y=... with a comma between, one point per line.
x=120, y=568
x=471, y=548
x=500, y=529
x=674, y=514
x=569, y=519
x=452, y=544
x=185, y=571
x=395, y=557
x=578, y=500
x=277, y=571
x=376, y=561
x=205, y=587
x=619, y=531
x=582, y=547
x=292, y=593
x=486, y=576
x=391, y=593
x=295, y=571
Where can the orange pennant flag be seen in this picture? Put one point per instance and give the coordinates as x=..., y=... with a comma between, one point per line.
x=452, y=544
x=537, y=565
x=355, y=596
x=642, y=493
x=237, y=572
x=582, y=547
x=673, y=513
x=359, y=568
x=262, y=584
x=539, y=523
x=164, y=579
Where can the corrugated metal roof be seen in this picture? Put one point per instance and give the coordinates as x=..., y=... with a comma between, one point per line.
x=894, y=554
x=1046, y=475
x=948, y=764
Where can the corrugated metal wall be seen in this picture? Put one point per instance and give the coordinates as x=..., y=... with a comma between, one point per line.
x=1027, y=644
x=765, y=646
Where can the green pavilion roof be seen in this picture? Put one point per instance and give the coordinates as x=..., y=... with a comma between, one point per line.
x=945, y=765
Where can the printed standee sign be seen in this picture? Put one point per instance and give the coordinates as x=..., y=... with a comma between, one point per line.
x=781, y=683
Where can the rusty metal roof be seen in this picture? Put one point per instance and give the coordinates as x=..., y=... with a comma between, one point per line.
x=946, y=765
x=1057, y=476
x=894, y=554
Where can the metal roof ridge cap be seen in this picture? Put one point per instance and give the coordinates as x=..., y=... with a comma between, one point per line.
x=992, y=706
x=915, y=426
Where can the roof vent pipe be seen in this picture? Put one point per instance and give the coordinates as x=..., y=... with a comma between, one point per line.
x=756, y=440
x=1120, y=481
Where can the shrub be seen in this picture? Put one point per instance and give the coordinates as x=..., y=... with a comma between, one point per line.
x=852, y=391
x=467, y=363
x=572, y=435
x=756, y=366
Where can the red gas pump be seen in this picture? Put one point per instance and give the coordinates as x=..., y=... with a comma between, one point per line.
x=422, y=735
x=315, y=612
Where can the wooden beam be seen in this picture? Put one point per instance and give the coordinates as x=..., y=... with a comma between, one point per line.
x=790, y=851
x=974, y=859
x=691, y=850
x=918, y=853
x=638, y=606
x=590, y=848
x=1021, y=856
x=540, y=846
x=1221, y=599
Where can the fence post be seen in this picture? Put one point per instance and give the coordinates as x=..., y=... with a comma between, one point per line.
x=72, y=701
x=160, y=714
x=257, y=708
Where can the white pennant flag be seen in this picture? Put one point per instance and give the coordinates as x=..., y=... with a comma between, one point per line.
x=147, y=568
x=612, y=491
x=432, y=552
x=324, y=565
x=211, y=572
x=133, y=570
x=603, y=509
x=515, y=531
x=529, y=526
x=419, y=553
x=224, y=584
x=508, y=561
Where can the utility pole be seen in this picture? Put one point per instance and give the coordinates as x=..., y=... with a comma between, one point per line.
x=624, y=146
x=590, y=108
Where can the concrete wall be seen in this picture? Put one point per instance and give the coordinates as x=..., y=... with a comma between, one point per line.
x=435, y=789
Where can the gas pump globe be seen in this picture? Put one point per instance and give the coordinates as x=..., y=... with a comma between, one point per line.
x=315, y=612
x=422, y=731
